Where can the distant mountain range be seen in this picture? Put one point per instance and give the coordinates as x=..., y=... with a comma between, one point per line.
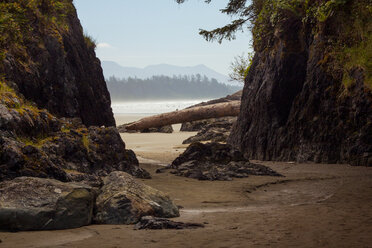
x=114, y=69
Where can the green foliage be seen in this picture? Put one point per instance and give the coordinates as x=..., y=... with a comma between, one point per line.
x=8, y=96
x=240, y=67
x=90, y=41
x=37, y=141
x=85, y=141
x=345, y=24
x=327, y=9
x=262, y=16
x=4, y=88
x=358, y=56
x=47, y=16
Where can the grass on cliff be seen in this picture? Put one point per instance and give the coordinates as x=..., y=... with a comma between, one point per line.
x=353, y=45
x=37, y=142
x=11, y=100
x=8, y=96
x=46, y=16
x=358, y=56
x=345, y=24
x=90, y=41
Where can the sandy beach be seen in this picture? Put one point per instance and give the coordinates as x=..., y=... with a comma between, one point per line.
x=156, y=148
x=314, y=205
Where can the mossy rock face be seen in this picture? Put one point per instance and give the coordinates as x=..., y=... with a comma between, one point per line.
x=53, y=97
x=123, y=200
x=28, y=203
x=67, y=155
x=44, y=52
x=295, y=104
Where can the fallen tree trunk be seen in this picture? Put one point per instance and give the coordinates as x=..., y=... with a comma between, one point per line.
x=187, y=115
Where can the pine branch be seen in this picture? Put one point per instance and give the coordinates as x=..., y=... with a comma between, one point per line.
x=225, y=33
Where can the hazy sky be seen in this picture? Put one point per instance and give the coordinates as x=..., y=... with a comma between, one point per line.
x=145, y=32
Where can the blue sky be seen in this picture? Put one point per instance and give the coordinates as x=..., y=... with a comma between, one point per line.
x=146, y=32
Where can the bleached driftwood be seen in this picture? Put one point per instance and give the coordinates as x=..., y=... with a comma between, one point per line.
x=186, y=115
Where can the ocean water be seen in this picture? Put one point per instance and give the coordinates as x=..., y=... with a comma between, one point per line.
x=152, y=107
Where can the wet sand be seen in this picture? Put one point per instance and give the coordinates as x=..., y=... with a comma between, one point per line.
x=314, y=205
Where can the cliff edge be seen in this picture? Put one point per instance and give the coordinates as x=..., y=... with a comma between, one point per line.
x=307, y=96
x=48, y=59
x=52, y=98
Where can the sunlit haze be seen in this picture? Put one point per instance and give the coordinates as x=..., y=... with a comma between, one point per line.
x=147, y=32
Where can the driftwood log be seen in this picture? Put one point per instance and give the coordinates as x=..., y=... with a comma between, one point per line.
x=186, y=115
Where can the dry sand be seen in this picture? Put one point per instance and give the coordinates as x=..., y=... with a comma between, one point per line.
x=314, y=205
x=156, y=148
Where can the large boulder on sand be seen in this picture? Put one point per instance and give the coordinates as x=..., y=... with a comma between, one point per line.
x=28, y=203
x=123, y=200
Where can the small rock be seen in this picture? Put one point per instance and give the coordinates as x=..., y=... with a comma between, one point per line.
x=150, y=222
x=162, y=170
x=58, y=191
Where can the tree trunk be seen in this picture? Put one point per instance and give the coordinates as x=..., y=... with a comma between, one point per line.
x=186, y=115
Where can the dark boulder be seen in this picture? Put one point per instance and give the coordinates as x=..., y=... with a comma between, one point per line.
x=28, y=203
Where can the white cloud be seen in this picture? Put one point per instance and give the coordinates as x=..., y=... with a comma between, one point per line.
x=104, y=45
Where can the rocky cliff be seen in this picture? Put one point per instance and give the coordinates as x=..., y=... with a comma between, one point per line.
x=46, y=56
x=48, y=74
x=307, y=96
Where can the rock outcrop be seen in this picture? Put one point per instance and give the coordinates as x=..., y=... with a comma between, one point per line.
x=302, y=101
x=67, y=150
x=28, y=203
x=164, y=129
x=50, y=61
x=123, y=200
x=48, y=74
x=215, y=161
x=53, y=99
x=214, y=130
